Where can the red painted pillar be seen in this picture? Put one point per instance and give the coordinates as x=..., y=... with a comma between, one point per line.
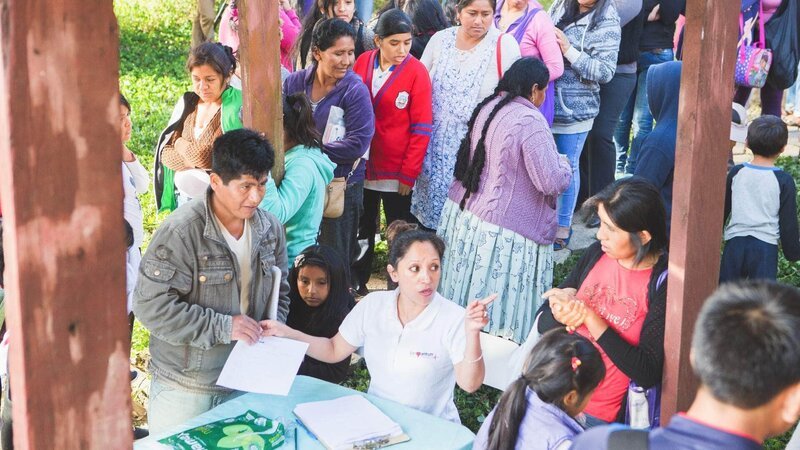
x=260, y=48
x=699, y=187
x=61, y=191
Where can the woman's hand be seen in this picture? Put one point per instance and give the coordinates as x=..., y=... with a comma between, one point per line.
x=477, y=315
x=566, y=307
x=403, y=190
x=563, y=42
x=275, y=328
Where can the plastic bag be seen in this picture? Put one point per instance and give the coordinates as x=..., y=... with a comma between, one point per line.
x=250, y=431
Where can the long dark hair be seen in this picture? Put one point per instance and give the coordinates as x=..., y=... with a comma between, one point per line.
x=310, y=22
x=635, y=205
x=327, y=317
x=298, y=121
x=518, y=81
x=558, y=364
x=572, y=13
x=428, y=18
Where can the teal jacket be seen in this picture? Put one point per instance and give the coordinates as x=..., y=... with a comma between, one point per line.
x=299, y=201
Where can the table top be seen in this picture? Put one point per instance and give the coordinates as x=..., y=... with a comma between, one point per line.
x=426, y=431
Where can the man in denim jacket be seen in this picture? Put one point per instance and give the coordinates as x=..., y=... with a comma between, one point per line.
x=206, y=279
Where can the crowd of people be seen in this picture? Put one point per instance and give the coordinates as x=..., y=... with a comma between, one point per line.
x=478, y=129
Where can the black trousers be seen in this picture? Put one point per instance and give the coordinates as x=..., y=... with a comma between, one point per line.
x=396, y=207
x=599, y=156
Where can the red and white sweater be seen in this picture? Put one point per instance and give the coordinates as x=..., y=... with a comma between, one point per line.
x=403, y=119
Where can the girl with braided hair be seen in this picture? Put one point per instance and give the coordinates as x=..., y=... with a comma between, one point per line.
x=542, y=408
x=499, y=220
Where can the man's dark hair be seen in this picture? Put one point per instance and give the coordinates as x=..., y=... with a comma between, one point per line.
x=746, y=344
x=241, y=152
x=767, y=136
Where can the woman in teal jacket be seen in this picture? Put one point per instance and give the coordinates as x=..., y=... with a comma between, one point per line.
x=212, y=108
x=299, y=201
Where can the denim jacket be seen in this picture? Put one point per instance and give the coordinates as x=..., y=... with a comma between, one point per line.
x=188, y=292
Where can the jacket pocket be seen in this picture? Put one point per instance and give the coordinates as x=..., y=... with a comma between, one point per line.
x=217, y=289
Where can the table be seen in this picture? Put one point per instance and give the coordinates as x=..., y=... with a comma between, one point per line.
x=426, y=431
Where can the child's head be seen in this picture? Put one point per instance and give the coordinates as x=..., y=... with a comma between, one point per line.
x=767, y=136
x=319, y=280
x=129, y=239
x=298, y=122
x=125, y=118
x=746, y=349
x=563, y=369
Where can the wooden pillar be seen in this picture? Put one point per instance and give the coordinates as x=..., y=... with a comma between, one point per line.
x=260, y=52
x=61, y=187
x=699, y=187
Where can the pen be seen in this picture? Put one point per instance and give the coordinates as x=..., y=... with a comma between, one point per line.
x=300, y=424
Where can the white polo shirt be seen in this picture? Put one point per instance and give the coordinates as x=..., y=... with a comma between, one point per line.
x=412, y=365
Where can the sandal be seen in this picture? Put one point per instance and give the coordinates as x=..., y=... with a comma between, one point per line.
x=562, y=243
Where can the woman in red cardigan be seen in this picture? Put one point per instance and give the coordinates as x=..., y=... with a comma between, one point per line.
x=401, y=96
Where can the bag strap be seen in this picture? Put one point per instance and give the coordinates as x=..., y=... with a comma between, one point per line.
x=499, y=53
x=661, y=279
x=355, y=166
x=628, y=439
x=761, y=33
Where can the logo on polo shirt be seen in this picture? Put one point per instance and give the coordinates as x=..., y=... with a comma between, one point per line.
x=424, y=355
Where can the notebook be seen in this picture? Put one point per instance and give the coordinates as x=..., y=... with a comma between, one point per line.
x=349, y=422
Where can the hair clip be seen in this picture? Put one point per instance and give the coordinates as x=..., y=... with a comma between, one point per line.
x=575, y=363
x=299, y=260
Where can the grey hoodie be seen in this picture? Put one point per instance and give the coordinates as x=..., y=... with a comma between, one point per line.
x=590, y=62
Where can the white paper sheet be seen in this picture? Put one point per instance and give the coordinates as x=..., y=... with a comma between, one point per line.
x=267, y=367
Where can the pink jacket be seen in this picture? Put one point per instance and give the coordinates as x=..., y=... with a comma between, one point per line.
x=291, y=29
x=539, y=39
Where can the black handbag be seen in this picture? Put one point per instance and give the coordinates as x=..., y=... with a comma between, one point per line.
x=783, y=38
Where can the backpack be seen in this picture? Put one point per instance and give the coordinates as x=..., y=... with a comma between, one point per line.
x=627, y=439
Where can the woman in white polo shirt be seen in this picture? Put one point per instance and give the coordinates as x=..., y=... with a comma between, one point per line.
x=417, y=344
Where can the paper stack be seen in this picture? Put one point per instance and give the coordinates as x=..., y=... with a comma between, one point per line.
x=349, y=422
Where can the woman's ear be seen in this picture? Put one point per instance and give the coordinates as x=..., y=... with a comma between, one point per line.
x=392, y=272
x=645, y=237
x=315, y=54
x=377, y=41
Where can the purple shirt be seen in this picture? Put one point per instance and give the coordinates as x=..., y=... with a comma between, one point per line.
x=523, y=174
x=350, y=94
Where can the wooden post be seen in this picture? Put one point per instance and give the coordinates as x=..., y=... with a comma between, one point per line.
x=61, y=187
x=260, y=50
x=699, y=187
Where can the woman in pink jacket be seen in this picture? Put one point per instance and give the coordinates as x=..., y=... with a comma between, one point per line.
x=290, y=29
x=536, y=36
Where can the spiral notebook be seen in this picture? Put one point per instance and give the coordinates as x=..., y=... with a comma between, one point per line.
x=350, y=422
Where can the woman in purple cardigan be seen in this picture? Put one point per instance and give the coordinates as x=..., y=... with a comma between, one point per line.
x=499, y=220
x=343, y=115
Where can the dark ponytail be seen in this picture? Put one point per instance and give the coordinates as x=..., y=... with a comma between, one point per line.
x=518, y=81
x=298, y=121
x=558, y=364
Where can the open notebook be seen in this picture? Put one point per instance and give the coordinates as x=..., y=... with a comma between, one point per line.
x=349, y=422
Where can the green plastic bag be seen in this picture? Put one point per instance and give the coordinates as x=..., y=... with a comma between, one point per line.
x=250, y=431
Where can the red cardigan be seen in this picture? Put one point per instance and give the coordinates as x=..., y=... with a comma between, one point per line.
x=402, y=119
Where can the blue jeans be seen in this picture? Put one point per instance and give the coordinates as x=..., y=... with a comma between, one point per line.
x=364, y=10
x=592, y=421
x=169, y=406
x=342, y=233
x=570, y=145
x=792, y=97
x=637, y=112
x=746, y=257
